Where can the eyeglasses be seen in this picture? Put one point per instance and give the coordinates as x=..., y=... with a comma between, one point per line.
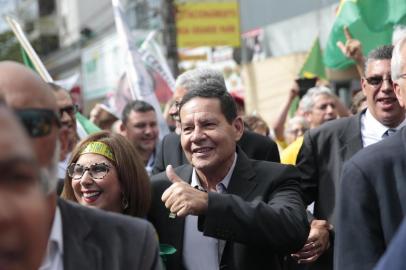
x=176, y=117
x=378, y=80
x=71, y=110
x=38, y=122
x=96, y=171
x=297, y=131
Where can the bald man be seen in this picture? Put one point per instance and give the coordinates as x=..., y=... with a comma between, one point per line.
x=23, y=206
x=76, y=239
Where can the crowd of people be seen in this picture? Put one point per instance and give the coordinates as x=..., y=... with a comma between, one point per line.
x=321, y=190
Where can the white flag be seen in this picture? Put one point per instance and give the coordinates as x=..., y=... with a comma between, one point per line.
x=154, y=58
x=140, y=81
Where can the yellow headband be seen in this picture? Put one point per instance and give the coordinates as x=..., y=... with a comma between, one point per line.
x=98, y=148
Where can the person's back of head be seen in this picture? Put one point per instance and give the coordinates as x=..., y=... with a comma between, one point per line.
x=256, y=124
x=190, y=79
x=398, y=68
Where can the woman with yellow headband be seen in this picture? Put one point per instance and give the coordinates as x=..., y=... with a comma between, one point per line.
x=106, y=172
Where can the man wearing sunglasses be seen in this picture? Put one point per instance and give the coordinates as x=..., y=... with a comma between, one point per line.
x=23, y=205
x=67, y=111
x=76, y=238
x=372, y=203
x=327, y=147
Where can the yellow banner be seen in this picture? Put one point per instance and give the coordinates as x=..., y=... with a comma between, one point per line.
x=208, y=24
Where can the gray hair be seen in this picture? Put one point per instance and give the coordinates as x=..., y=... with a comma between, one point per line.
x=297, y=120
x=192, y=78
x=398, y=33
x=307, y=101
x=397, y=61
x=380, y=53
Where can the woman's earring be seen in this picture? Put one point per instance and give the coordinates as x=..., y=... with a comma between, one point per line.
x=124, y=202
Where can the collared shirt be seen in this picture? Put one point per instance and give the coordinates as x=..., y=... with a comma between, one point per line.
x=150, y=164
x=372, y=131
x=54, y=256
x=62, y=166
x=201, y=252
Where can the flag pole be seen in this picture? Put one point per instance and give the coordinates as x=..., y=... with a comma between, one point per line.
x=36, y=61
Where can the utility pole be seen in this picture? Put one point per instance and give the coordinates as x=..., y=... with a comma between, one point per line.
x=169, y=35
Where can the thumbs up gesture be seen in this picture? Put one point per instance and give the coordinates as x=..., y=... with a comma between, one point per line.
x=181, y=198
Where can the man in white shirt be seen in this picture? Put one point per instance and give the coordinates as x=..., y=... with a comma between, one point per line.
x=325, y=149
x=77, y=240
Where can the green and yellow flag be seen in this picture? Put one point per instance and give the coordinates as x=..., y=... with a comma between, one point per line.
x=369, y=21
x=314, y=65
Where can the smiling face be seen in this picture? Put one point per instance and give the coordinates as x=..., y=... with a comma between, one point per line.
x=381, y=98
x=142, y=130
x=68, y=120
x=209, y=141
x=102, y=193
x=324, y=109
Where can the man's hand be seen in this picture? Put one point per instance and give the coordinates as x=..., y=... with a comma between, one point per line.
x=317, y=242
x=181, y=198
x=352, y=47
x=294, y=90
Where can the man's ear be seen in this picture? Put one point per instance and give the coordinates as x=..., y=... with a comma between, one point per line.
x=363, y=85
x=238, y=125
x=308, y=116
x=123, y=129
x=63, y=138
x=398, y=93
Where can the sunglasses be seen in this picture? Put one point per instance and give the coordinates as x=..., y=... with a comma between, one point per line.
x=38, y=122
x=71, y=110
x=96, y=171
x=378, y=80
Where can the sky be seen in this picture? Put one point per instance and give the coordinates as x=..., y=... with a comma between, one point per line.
x=7, y=6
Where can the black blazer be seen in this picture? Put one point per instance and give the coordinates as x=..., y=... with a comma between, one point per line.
x=320, y=161
x=261, y=216
x=372, y=202
x=254, y=145
x=94, y=239
x=394, y=258
x=321, y=158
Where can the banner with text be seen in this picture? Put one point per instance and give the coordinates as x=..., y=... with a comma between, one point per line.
x=207, y=23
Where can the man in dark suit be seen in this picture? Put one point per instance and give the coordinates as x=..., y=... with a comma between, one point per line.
x=371, y=202
x=78, y=238
x=394, y=257
x=325, y=149
x=224, y=211
x=170, y=151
